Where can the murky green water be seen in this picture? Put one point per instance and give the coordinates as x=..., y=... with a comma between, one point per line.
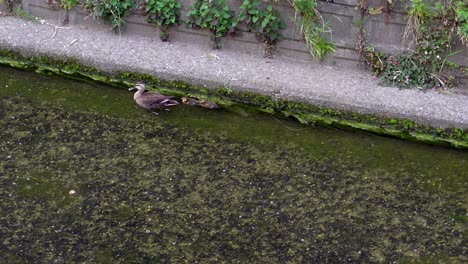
x=199, y=186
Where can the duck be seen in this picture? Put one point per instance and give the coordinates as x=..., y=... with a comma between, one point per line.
x=152, y=100
x=207, y=104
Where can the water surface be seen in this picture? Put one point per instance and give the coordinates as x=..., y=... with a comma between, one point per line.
x=86, y=176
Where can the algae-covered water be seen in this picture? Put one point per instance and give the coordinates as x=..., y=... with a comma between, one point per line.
x=87, y=177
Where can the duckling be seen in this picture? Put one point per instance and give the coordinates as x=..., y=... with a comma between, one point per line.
x=152, y=100
x=190, y=101
x=209, y=105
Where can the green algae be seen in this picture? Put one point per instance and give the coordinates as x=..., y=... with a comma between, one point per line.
x=203, y=186
x=242, y=101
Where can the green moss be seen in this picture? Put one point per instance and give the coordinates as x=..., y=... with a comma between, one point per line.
x=247, y=100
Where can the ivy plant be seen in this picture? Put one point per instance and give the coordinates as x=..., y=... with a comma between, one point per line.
x=214, y=15
x=113, y=10
x=164, y=13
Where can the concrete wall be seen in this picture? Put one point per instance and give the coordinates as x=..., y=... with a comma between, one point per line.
x=341, y=15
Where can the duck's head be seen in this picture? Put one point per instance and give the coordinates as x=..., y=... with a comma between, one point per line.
x=138, y=87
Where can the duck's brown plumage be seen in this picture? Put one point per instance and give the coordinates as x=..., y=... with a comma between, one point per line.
x=152, y=100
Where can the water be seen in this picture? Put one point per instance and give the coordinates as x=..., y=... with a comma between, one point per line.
x=86, y=176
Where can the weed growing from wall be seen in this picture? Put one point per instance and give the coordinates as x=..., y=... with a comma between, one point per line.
x=461, y=19
x=313, y=28
x=367, y=55
x=429, y=38
x=214, y=15
x=269, y=31
x=112, y=10
x=164, y=13
x=249, y=14
x=265, y=22
x=405, y=71
x=418, y=14
x=376, y=61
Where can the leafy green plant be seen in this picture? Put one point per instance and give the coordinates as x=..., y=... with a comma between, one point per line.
x=429, y=33
x=419, y=70
x=113, y=10
x=313, y=28
x=315, y=38
x=164, y=13
x=461, y=11
x=269, y=31
x=249, y=14
x=68, y=4
x=417, y=14
x=433, y=37
x=432, y=44
x=266, y=23
x=213, y=15
x=305, y=8
x=375, y=60
x=404, y=71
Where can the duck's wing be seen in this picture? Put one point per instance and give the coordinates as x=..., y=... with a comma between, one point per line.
x=157, y=103
x=148, y=99
x=153, y=100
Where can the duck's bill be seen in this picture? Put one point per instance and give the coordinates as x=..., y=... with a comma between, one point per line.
x=133, y=89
